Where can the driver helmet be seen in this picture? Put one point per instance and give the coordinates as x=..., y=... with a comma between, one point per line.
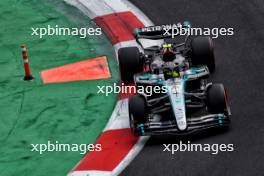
x=167, y=52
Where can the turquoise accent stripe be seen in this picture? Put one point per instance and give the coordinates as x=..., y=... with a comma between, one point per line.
x=141, y=126
x=220, y=117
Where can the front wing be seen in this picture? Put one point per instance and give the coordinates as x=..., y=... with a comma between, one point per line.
x=195, y=124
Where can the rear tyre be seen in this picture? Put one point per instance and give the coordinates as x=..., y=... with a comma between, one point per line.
x=130, y=63
x=137, y=108
x=203, y=52
x=216, y=98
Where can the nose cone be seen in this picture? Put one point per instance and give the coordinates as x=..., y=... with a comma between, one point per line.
x=175, y=91
x=182, y=125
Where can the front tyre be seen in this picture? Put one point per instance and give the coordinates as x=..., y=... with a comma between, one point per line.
x=203, y=52
x=216, y=98
x=137, y=108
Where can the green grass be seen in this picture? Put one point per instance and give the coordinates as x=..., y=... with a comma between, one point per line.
x=31, y=112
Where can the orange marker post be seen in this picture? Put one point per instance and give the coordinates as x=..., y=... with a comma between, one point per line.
x=28, y=75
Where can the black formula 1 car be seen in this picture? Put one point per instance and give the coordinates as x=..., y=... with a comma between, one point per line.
x=186, y=102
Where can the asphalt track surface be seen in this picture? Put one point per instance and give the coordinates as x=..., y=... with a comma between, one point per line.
x=240, y=66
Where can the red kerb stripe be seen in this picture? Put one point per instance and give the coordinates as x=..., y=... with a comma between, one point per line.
x=119, y=27
x=115, y=146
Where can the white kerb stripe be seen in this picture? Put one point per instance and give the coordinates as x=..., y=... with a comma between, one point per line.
x=119, y=118
x=95, y=8
x=90, y=173
x=131, y=155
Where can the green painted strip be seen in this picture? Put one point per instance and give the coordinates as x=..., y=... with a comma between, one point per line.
x=35, y=113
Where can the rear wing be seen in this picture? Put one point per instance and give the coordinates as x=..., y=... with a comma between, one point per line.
x=159, y=32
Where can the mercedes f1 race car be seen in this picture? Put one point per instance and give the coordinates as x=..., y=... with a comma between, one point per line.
x=187, y=102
